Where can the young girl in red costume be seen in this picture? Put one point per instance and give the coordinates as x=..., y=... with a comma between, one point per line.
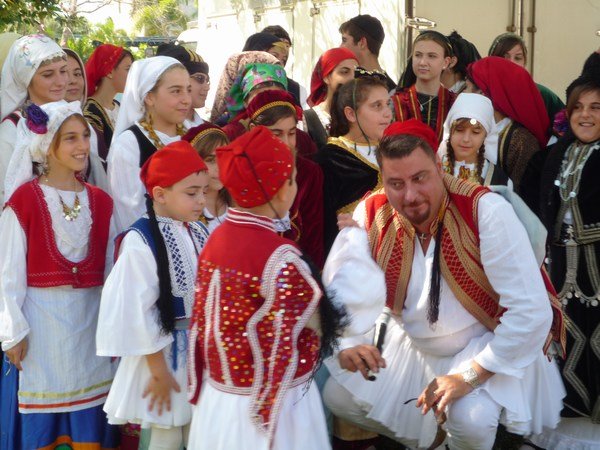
x=421, y=94
x=55, y=233
x=259, y=322
x=148, y=298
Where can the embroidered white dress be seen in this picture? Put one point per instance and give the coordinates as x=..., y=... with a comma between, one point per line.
x=526, y=385
x=126, y=188
x=129, y=323
x=61, y=371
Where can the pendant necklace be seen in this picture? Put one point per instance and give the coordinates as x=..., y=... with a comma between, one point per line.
x=423, y=236
x=70, y=213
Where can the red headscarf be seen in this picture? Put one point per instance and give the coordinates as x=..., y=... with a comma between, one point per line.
x=325, y=65
x=513, y=93
x=413, y=127
x=254, y=167
x=101, y=63
x=171, y=164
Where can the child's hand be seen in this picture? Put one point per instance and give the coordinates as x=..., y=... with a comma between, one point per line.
x=345, y=221
x=17, y=353
x=159, y=388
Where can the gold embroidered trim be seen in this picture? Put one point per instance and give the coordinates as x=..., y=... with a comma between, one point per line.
x=263, y=108
x=203, y=134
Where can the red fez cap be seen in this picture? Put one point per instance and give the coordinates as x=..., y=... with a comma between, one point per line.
x=413, y=127
x=194, y=134
x=254, y=167
x=269, y=99
x=171, y=164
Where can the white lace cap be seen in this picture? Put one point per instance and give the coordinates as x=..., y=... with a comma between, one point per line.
x=31, y=147
x=142, y=77
x=478, y=107
x=23, y=60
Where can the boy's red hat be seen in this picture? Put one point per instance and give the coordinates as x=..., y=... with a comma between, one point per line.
x=171, y=164
x=254, y=167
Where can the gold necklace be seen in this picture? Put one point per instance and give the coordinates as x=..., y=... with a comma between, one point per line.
x=71, y=213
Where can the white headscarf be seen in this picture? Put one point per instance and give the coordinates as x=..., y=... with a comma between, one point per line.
x=478, y=107
x=141, y=79
x=32, y=147
x=23, y=60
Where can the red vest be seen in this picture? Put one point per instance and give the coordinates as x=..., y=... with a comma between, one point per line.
x=406, y=106
x=46, y=266
x=249, y=326
x=391, y=237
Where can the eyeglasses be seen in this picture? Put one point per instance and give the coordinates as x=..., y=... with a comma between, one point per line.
x=360, y=72
x=201, y=78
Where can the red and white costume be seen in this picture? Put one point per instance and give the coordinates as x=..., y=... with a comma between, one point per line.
x=252, y=351
x=494, y=310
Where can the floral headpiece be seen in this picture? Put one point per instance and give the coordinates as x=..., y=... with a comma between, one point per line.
x=37, y=119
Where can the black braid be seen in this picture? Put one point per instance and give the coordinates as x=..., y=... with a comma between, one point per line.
x=333, y=317
x=451, y=156
x=165, y=296
x=480, y=163
x=433, y=310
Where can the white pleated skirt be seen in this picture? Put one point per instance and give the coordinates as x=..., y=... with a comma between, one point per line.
x=125, y=403
x=529, y=404
x=221, y=421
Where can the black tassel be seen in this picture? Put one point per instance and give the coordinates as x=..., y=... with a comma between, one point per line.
x=433, y=310
x=165, y=297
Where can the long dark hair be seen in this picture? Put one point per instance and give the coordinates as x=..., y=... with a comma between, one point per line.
x=165, y=297
x=409, y=77
x=351, y=94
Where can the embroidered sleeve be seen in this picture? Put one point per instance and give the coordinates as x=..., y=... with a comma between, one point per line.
x=277, y=333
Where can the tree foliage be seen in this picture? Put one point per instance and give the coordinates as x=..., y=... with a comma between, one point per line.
x=159, y=18
x=17, y=13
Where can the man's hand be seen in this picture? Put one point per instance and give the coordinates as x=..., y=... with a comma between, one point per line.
x=441, y=392
x=17, y=353
x=444, y=390
x=362, y=358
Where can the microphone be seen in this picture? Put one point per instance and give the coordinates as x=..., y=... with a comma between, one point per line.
x=379, y=335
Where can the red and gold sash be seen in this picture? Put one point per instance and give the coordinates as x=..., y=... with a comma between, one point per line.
x=407, y=106
x=391, y=237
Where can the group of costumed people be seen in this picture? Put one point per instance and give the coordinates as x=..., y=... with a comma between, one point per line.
x=358, y=266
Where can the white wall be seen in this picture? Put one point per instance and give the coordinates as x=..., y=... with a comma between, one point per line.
x=222, y=31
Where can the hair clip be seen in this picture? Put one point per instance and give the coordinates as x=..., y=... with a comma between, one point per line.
x=361, y=72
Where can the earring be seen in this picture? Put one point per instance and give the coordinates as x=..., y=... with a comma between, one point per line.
x=45, y=169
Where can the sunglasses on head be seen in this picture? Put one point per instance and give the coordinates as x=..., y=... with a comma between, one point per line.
x=201, y=78
x=360, y=72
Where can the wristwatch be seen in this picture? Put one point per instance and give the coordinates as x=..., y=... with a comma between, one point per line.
x=470, y=376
